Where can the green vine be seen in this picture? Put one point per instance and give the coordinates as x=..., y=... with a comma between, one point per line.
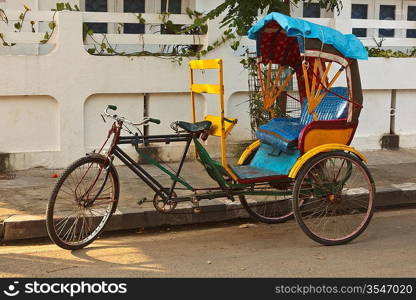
x=239, y=15
x=19, y=25
x=175, y=53
x=52, y=26
x=378, y=51
x=3, y=16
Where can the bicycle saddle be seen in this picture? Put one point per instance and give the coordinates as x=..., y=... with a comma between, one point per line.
x=197, y=127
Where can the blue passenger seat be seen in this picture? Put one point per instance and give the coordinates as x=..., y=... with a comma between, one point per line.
x=283, y=133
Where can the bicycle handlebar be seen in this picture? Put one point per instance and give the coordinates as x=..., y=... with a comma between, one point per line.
x=153, y=120
x=124, y=120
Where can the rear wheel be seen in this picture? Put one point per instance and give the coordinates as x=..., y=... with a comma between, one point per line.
x=334, y=198
x=269, y=208
x=82, y=202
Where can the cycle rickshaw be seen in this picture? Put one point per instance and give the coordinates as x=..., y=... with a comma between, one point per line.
x=300, y=165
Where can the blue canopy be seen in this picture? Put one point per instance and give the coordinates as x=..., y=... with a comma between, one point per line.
x=346, y=44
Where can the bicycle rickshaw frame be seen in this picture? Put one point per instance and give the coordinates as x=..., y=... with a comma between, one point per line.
x=321, y=142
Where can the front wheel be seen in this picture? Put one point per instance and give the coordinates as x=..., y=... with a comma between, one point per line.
x=82, y=202
x=333, y=198
x=271, y=209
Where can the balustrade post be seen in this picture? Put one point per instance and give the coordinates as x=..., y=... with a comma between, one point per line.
x=342, y=22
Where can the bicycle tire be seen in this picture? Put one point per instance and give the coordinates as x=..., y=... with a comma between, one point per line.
x=69, y=174
x=301, y=211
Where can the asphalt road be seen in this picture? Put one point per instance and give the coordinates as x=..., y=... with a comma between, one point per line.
x=386, y=249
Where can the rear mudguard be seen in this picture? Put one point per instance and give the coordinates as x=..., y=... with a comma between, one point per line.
x=323, y=148
x=248, y=151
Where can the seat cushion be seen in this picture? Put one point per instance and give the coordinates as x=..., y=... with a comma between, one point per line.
x=281, y=133
x=194, y=127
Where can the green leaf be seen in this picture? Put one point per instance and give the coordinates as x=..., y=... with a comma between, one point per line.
x=17, y=26
x=60, y=6
x=110, y=50
x=235, y=45
x=103, y=46
x=198, y=22
x=189, y=12
x=68, y=6
x=76, y=7
x=91, y=50
x=90, y=32
x=52, y=25
x=43, y=41
x=3, y=16
x=46, y=36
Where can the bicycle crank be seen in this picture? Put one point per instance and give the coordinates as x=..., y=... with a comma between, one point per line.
x=164, y=206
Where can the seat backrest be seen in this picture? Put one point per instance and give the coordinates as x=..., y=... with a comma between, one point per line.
x=331, y=107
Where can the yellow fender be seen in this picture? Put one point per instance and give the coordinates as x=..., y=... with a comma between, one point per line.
x=323, y=148
x=253, y=146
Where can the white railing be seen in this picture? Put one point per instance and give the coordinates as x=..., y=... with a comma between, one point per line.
x=27, y=37
x=140, y=39
x=149, y=38
x=397, y=41
x=372, y=26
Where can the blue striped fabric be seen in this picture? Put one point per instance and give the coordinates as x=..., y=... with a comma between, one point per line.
x=330, y=108
x=283, y=133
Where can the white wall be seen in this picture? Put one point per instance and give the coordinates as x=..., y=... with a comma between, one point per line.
x=374, y=119
x=406, y=117
x=29, y=123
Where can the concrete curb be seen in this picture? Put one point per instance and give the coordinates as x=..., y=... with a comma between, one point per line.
x=28, y=226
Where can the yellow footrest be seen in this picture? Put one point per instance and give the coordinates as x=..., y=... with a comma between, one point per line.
x=216, y=124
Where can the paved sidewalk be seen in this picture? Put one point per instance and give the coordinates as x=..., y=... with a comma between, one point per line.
x=23, y=199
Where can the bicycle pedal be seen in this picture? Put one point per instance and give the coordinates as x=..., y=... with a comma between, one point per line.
x=141, y=201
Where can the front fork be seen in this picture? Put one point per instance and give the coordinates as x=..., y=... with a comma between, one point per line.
x=108, y=164
x=105, y=168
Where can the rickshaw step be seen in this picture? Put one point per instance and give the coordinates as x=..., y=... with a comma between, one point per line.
x=250, y=174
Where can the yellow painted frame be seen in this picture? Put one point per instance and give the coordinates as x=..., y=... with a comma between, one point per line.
x=216, y=125
x=323, y=148
x=212, y=89
x=206, y=88
x=321, y=136
x=253, y=146
x=268, y=87
x=314, y=95
x=203, y=64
